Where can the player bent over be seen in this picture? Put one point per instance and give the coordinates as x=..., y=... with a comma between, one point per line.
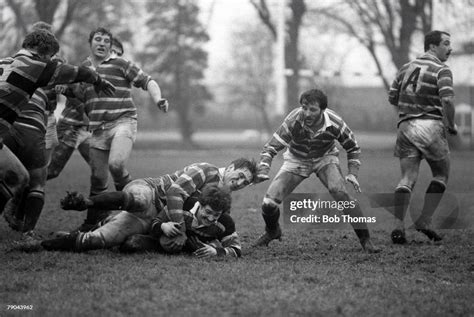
x=423, y=93
x=143, y=199
x=309, y=133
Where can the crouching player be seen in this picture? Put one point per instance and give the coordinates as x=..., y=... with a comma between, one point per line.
x=309, y=134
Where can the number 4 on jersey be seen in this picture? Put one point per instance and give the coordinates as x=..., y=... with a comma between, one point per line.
x=412, y=80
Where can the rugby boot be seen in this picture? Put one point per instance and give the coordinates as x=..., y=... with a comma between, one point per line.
x=398, y=236
x=74, y=201
x=29, y=242
x=268, y=236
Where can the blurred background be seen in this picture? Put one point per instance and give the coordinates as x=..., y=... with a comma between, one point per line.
x=232, y=69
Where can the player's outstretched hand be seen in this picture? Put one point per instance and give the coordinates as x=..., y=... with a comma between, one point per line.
x=350, y=178
x=163, y=105
x=104, y=85
x=206, y=251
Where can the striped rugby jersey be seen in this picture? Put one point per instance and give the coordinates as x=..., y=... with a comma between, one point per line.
x=122, y=74
x=306, y=144
x=74, y=113
x=33, y=115
x=174, y=189
x=220, y=235
x=22, y=74
x=419, y=86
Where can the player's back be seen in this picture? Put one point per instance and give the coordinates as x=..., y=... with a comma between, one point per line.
x=422, y=84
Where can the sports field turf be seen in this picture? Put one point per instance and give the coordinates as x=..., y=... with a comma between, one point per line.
x=311, y=272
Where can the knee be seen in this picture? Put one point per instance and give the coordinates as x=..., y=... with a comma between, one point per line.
x=116, y=167
x=338, y=191
x=139, y=198
x=270, y=206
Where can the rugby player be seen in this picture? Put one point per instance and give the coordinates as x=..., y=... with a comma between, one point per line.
x=72, y=128
x=309, y=134
x=423, y=94
x=20, y=76
x=113, y=120
x=142, y=200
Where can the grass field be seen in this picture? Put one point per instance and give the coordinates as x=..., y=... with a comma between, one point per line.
x=309, y=273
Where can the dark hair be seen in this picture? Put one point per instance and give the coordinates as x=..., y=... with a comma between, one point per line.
x=251, y=165
x=116, y=42
x=41, y=25
x=44, y=42
x=100, y=30
x=314, y=95
x=216, y=198
x=433, y=37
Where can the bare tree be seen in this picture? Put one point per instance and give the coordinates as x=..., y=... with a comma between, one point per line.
x=292, y=56
x=26, y=14
x=248, y=79
x=382, y=22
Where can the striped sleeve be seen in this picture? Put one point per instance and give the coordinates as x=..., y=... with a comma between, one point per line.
x=193, y=179
x=394, y=92
x=280, y=140
x=445, y=83
x=156, y=223
x=228, y=243
x=349, y=143
x=136, y=76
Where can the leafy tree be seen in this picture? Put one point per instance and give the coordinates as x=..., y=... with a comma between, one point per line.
x=174, y=54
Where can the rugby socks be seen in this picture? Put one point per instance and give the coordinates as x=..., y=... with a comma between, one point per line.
x=433, y=196
x=401, y=200
x=113, y=201
x=271, y=214
x=361, y=228
x=122, y=182
x=94, y=214
x=34, y=203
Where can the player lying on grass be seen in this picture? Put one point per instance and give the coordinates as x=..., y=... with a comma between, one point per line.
x=424, y=96
x=20, y=76
x=210, y=229
x=143, y=199
x=309, y=133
